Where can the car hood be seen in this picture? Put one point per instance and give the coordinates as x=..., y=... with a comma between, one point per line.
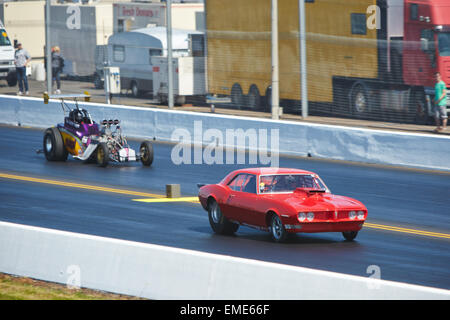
x=320, y=202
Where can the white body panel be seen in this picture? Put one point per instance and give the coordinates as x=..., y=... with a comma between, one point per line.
x=188, y=76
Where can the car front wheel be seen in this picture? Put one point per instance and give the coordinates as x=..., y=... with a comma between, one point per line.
x=350, y=235
x=219, y=223
x=277, y=230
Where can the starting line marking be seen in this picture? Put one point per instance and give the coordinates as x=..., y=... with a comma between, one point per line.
x=181, y=199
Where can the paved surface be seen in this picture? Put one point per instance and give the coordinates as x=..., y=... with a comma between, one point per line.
x=406, y=235
x=68, y=86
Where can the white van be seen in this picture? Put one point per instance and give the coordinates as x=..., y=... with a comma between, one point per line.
x=7, y=66
x=133, y=51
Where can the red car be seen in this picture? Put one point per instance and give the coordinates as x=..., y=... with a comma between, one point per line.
x=280, y=201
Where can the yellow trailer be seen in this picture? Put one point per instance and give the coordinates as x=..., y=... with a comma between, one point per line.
x=339, y=44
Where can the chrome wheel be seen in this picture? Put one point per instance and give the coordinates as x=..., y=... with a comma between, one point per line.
x=219, y=223
x=277, y=229
x=100, y=155
x=146, y=153
x=48, y=144
x=360, y=102
x=215, y=213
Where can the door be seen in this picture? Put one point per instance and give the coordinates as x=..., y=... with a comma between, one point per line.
x=242, y=197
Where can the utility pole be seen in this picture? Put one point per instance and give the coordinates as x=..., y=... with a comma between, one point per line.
x=275, y=72
x=48, y=52
x=169, y=54
x=302, y=45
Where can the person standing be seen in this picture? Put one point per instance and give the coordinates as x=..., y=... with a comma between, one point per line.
x=57, y=67
x=440, y=103
x=21, y=59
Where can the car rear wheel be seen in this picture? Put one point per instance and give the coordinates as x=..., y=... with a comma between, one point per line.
x=146, y=153
x=277, y=230
x=102, y=154
x=350, y=235
x=219, y=223
x=53, y=144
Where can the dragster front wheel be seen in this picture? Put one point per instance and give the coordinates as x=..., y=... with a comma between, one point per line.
x=146, y=153
x=102, y=154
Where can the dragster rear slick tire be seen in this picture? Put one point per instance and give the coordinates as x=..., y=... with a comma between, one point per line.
x=53, y=144
x=146, y=153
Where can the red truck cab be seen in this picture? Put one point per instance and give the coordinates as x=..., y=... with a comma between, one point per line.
x=426, y=47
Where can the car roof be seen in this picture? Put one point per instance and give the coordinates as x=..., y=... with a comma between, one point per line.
x=271, y=170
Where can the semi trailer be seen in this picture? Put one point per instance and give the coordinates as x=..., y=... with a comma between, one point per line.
x=365, y=58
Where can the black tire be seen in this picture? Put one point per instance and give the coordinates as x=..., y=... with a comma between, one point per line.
x=350, y=235
x=180, y=100
x=146, y=153
x=53, y=144
x=254, y=98
x=359, y=101
x=267, y=101
x=135, y=92
x=419, y=108
x=277, y=230
x=219, y=223
x=237, y=96
x=98, y=83
x=11, y=79
x=102, y=154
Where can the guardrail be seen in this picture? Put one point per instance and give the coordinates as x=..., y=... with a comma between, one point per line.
x=153, y=271
x=426, y=151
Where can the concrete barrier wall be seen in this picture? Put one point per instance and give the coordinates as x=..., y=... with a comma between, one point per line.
x=295, y=138
x=159, y=272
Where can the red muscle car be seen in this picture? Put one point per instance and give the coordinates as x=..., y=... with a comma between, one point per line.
x=280, y=201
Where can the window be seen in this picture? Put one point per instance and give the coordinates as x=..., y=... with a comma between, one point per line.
x=289, y=182
x=155, y=52
x=359, y=25
x=120, y=26
x=118, y=53
x=249, y=184
x=4, y=40
x=237, y=182
x=414, y=11
x=444, y=44
x=244, y=182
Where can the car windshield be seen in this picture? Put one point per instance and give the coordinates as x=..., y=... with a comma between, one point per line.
x=444, y=44
x=4, y=40
x=284, y=183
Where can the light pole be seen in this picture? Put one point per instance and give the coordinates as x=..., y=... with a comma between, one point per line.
x=169, y=53
x=48, y=52
x=275, y=73
x=302, y=45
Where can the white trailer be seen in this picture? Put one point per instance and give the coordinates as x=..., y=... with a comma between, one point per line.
x=141, y=55
x=188, y=78
x=7, y=65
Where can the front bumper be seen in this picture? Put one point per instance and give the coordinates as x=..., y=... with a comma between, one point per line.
x=334, y=226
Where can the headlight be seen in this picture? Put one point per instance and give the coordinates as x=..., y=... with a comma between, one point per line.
x=301, y=216
x=352, y=214
x=310, y=216
x=360, y=215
